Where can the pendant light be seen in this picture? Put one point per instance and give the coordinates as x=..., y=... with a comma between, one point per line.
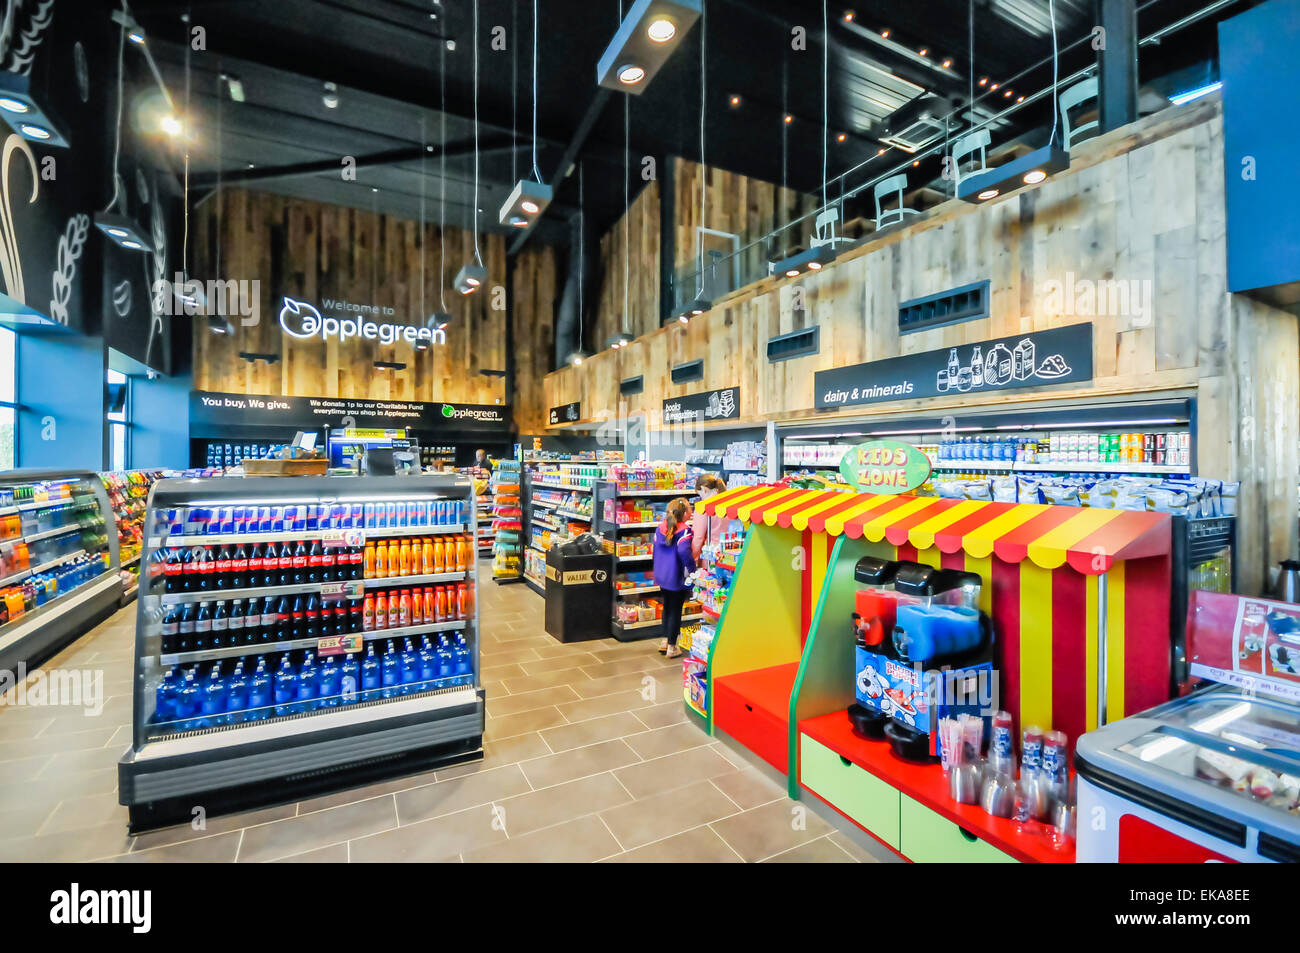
x=121, y=229
x=473, y=275
x=439, y=320
x=529, y=198
x=646, y=37
x=576, y=357
x=25, y=116
x=699, y=304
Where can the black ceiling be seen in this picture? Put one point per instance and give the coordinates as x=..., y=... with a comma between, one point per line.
x=386, y=57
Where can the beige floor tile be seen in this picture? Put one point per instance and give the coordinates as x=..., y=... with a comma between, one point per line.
x=699, y=845
x=749, y=787
x=662, y=741
x=92, y=843
x=661, y=815
x=333, y=854
x=213, y=825
x=578, y=763
x=672, y=771
x=457, y=794
x=628, y=666
x=759, y=833
x=563, y=802
x=499, y=752
x=524, y=722
x=587, y=708
x=82, y=812
x=820, y=851
x=573, y=842
x=214, y=849
x=557, y=695
x=531, y=683
x=591, y=731
x=307, y=832
x=437, y=839
x=863, y=855
x=665, y=714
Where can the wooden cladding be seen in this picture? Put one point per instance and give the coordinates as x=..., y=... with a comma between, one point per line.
x=311, y=252
x=1143, y=205
x=629, y=262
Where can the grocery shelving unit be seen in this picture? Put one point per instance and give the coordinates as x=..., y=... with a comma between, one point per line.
x=555, y=499
x=508, y=528
x=607, y=491
x=231, y=759
x=128, y=494
x=55, y=519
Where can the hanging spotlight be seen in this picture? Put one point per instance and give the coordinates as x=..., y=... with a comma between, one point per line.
x=1029, y=169
x=788, y=119
x=435, y=322
x=122, y=230
x=841, y=137
x=984, y=80
x=694, y=308
x=735, y=101
x=19, y=108
x=814, y=259
x=525, y=204
x=947, y=63
x=576, y=358
x=330, y=96
x=470, y=278
x=220, y=324
x=622, y=339
x=644, y=41
x=171, y=125
x=234, y=86
x=884, y=34
x=922, y=51
x=848, y=16
x=134, y=32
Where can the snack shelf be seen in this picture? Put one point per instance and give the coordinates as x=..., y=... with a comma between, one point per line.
x=574, y=515
x=650, y=623
x=680, y=491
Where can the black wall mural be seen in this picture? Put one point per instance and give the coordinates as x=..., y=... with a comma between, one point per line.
x=48, y=256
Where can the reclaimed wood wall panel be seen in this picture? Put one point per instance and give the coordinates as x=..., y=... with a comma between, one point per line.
x=1143, y=205
x=629, y=265
x=534, y=297
x=312, y=251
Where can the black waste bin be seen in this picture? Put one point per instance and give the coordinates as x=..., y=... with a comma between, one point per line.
x=579, y=589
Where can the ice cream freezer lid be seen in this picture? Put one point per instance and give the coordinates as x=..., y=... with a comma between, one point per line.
x=1219, y=760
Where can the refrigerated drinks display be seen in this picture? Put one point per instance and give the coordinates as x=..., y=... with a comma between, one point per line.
x=300, y=631
x=128, y=493
x=58, y=561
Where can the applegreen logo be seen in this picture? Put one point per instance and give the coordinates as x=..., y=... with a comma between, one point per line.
x=448, y=410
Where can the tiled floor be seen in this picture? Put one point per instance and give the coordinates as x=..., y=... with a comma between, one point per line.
x=589, y=757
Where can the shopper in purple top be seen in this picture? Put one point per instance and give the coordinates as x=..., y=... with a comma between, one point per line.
x=673, y=563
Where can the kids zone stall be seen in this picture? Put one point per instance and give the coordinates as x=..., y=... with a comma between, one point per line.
x=1076, y=603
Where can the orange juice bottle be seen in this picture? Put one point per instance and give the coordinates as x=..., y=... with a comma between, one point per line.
x=368, y=564
x=404, y=608
x=394, y=610
x=404, y=558
x=469, y=600
x=417, y=607
x=381, y=612
x=430, y=606
x=439, y=555
x=463, y=550
x=381, y=559
x=426, y=556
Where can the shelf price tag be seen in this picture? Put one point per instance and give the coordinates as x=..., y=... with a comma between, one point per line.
x=348, y=589
x=339, y=644
x=340, y=538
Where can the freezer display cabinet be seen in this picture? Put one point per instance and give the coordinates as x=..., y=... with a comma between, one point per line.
x=296, y=635
x=58, y=561
x=1211, y=777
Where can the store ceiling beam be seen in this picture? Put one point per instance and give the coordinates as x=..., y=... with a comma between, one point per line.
x=388, y=157
x=594, y=109
x=1117, y=78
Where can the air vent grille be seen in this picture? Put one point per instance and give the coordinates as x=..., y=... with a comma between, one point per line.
x=795, y=344
x=632, y=385
x=966, y=303
x=691, y=371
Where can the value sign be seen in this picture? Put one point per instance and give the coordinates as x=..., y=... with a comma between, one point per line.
x=885, y=466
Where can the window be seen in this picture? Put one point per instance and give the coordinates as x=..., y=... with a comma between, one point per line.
x=118, y=394
x=8, y=399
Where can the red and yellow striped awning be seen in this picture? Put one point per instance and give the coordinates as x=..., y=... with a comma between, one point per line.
x=1089, y=539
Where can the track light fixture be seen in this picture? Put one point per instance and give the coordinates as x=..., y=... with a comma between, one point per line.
x=1030, y=169
x=470, y=278
x=122, y=230
x=645, y=39
x=19, y=108
x=814, y=259
x=525, y=204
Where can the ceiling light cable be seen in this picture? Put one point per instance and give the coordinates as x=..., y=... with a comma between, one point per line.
x=442, y=179
x=117, y=140
x=424, y=154
x=826, y=69
x=1051, y=12
x=536, y=172
x=704, y=169
x=627, y=207
x=478, y=257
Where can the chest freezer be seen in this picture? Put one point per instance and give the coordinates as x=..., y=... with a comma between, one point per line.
x=1211, y=777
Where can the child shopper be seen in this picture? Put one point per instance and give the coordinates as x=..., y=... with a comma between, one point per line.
x=673, y=563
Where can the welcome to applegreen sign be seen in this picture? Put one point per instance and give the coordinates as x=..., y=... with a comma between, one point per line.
x=885, y=466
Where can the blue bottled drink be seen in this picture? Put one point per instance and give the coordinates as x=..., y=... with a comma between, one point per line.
x=308, y=684
x=330, y=675
x=462, y=655
x=187, y=702
x=237, y=694
x=259, y=693
x=214, y=698
x=349, y=680
x=446, y=663
x=391, y=673
x=370, y=677
x=286, y=687
x=410, y=668
x=428, y=664
x=165, y=697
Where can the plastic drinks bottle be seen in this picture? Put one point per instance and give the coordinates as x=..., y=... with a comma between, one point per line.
x=349, y=679
x=368, y=563
x=259, y=692
x=381, y=560
x=370, y=677
x=237, y=692
x=410, y=666
x=462, y=554
x=188, y=702
x=404, y=608
x=308, y=683
x=404, y=558
x=330, y=675
x=368, y=613
x=428, y=661
x=390, y=672
x=286, y=688
x=381, y=612
x=417, y=607
x=394, y=609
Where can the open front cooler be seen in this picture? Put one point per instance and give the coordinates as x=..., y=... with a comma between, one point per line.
x=58, y=561
x=298, y=635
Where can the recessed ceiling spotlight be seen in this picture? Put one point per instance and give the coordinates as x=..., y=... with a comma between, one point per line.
x=171, y=125
x=922, y=51
x=848, y=16
x=994, y=86
x=734, y=100
x=984, y=80
x=684, y=318
x=374, y=188
x=451, y=46
x=1034, y=176
x=1007, y=94
x=661, y=30
x=13, y=105
x=814, y=266
x=32, y=131
x=988, y=194
x=1020, y=99
x=841, y=137
x=792, y=273
x=884, y=34
x=915, y=163
x=630, y=75
x=880, y=152
x=947, y=63
x=788, y=119
x=330, y=96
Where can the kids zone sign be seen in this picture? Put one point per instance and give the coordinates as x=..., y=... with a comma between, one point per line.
x=303, y=320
